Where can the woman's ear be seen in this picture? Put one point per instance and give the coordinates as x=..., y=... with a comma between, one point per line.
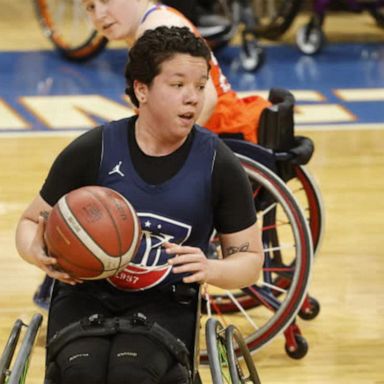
x=141, y=91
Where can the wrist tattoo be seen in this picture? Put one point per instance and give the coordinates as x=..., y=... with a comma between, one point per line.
x=44, y=214
x=232, y=249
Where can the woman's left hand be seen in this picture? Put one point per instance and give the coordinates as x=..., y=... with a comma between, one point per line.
x=189, y=260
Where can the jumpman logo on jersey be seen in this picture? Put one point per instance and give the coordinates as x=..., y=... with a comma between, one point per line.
x=116, y=169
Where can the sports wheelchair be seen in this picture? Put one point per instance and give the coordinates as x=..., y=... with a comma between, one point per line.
x=290, y=237
x=222, y=342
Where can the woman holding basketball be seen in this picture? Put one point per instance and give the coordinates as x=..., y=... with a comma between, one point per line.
x=223, y=112
x=183, y=182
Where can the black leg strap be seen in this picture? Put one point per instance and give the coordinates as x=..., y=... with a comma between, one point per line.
x=97, y=325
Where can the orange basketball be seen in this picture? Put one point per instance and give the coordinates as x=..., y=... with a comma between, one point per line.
x=93, y=232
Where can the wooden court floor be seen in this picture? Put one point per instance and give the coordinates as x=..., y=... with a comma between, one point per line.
x=346, y=340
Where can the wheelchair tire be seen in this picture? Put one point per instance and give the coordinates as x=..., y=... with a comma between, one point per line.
x=274, y=17
x=277, y=297
x=310, y=39
x=216, y=349
x=307, y=193
x=234, y=341
x=66, y=25
x=251, y=56
x=9, y=350
x=18, y=371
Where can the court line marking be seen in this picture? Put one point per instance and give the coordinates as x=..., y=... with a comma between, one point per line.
x=318, y=128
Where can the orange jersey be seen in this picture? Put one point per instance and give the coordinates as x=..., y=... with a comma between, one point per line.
x=232, y=114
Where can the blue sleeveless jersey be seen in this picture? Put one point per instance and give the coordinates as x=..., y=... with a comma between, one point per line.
x=178, y=210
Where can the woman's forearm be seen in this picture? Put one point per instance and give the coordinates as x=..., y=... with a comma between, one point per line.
x=25, y=234
x=236, y=271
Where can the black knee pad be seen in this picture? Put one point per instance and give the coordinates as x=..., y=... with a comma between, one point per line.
x=83, y=360
x=136, y=358
x=132, y=374
x=115, y=351
x=176, y=375
x=81, y=374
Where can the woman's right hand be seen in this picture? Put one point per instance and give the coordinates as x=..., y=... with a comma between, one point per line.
x=45, y=262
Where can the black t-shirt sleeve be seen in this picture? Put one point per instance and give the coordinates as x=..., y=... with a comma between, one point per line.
x=76, y=166
x=234, y=208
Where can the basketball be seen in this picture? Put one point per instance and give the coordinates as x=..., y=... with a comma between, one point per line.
x=93, y=232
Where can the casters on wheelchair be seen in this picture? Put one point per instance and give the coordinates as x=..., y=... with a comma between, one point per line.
x=252, y=55
x=310, y=38
x=296, y=346
x=309, y=309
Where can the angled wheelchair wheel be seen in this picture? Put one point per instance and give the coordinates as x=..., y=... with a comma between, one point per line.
x=264, y=309
x=66, y=24
x=14, y=368
x=274, y=17
x=217, y=351
x=244, y=370
x=9, y=350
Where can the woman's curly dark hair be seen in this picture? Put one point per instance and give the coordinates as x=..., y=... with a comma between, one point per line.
x=156, y=46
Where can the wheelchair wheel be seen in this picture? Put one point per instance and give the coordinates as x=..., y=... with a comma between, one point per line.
x=377, y=12
x=266, y=308
x=217, y=351
x=240, y=373
x=9, y=350
x=310, y=39
x=17, y=373
x=274, y=17
x=66, y=25
x=307, y=193
x=252, y=54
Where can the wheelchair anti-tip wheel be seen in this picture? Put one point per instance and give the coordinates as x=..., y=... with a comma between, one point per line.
x=66, y=24
x=264, y=309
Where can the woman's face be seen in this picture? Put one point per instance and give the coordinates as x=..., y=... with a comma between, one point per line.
x=116, y=19
x=174, y=100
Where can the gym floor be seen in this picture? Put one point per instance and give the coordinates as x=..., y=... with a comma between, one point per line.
x=45, y=101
